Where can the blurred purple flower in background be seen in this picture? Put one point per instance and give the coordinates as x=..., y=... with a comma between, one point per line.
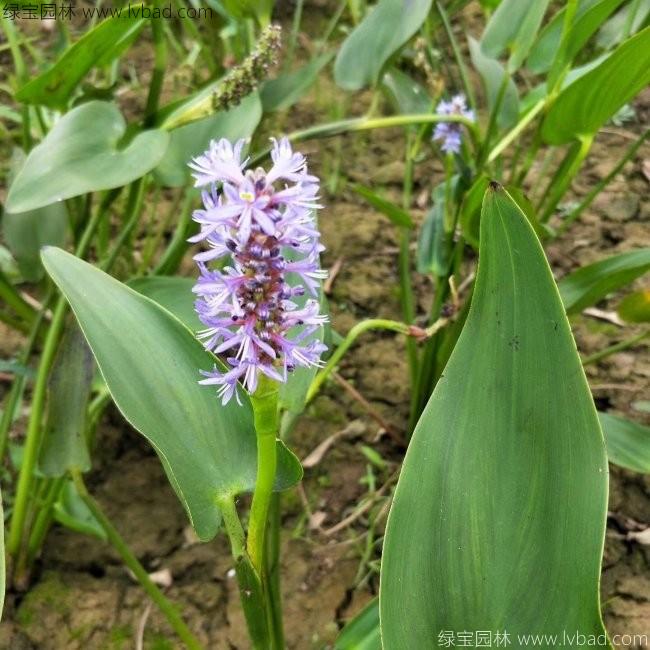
x=451, y=133
x=248, y=307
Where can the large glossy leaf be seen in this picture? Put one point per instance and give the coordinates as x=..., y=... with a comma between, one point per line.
x=498, y=518
x=84, y=153
x=192, y=139
x=375, y=39
x=628, y=442
x=586, y=104
x=589, y=16
x=590, y=283
x=493, y=75
x=512, y=27
x=64, y=445
x=284, y=91
x=54, y=87
x=150, y=362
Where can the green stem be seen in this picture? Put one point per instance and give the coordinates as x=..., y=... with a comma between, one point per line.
x=356, y=124
x=561, y=182
x=266, y=418
x=19, y=381
x=173, y=255
x=348, y=341
x=613, y=349
x=404, y=263
x=160, y=63
x=132, y=214
x=458, y=56
x=273, y=591
x=598, y=188
x=293, y=37
x=115, y=539
x=515, y=132
x=251, y=592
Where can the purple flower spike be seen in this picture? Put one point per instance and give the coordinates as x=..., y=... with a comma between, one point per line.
x=247, y=307
x=451, y=132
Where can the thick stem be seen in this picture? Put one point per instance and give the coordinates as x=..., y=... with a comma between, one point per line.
x=115, y=539
x=266, y=417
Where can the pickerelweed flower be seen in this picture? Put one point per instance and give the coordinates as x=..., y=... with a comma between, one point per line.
x=451, y=133
x=248, y=307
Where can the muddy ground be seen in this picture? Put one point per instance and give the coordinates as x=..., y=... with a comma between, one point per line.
x=82, y=597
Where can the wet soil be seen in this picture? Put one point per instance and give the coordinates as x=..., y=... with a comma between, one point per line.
x=82, y=597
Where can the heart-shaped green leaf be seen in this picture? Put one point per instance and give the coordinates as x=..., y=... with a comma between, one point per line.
x=151, y=362
x=407, y=94
x=83, y=153
x=97, y=46
x=586, y=104
x=375, y=39
x=590, y=283
x=628, y=442
x=498, y=518
x=192, y=139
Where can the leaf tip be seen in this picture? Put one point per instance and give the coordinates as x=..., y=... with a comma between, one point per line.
x=495, y=186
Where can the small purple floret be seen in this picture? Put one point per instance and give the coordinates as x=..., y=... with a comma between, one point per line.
x=451, y=133
x=247, y=307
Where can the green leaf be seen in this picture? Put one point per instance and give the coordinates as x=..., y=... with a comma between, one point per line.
x=64, y=446
x=25, y=233
x=395, y=214
x=628, y=442
x=375, y=39
x=362, y=632
x=635, y=308
x=589, y=16
x=493, y=75
x=470, y=210
x=586, y=104
x=71, y=511
x=83, y=153
x=284, y=91
x=99, y=46
x=513, y=27
x=622, y=24
x=407, y=94
x=193, y=139
x=151, y=362
x=498, y=518
x=589, y=284
x=174, y=294
x=434, y=253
